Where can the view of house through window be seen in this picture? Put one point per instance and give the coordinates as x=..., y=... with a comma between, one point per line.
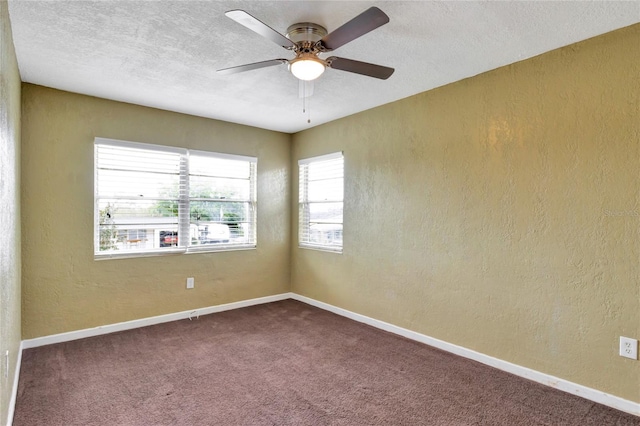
x=159, y=199
x=321, y=202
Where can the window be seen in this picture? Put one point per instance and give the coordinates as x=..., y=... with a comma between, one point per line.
x=321, y=202
x=152, y=199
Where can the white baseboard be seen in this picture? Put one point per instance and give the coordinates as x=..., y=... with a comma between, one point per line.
x=536, y=376
x=14, y=390
x=143, y=322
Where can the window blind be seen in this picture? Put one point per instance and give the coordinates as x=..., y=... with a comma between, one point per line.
x=321, y=194
x=152, y=199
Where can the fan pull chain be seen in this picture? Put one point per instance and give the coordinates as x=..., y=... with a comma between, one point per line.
x=306, y=109
x=304, y=97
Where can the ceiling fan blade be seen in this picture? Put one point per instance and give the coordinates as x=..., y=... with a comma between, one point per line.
x=255, y=25
x=368, y=20
x=364, y=68
x=253, y=66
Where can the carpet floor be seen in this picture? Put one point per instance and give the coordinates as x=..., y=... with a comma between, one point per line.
x=282, y=363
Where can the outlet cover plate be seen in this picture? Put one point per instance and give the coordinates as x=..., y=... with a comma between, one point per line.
x=628, y=347
x=190, y=282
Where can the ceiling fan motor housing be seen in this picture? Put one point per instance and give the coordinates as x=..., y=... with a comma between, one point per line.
x=307, y=36
x=306, y=31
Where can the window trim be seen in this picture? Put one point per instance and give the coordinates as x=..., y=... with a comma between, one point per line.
x=183, y=202
x=325, y=157
x=310, y=245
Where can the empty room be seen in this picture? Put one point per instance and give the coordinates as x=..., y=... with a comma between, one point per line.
x=319, y=212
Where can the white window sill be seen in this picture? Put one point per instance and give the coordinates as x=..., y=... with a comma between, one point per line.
x=330, y=249
x=172, y=252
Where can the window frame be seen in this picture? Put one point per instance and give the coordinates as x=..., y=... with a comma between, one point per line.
x=304, y=204
x=183, y=201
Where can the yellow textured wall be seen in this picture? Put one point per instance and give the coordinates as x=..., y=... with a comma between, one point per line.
x=64, y=288
x=500, y=213
x=9, y=210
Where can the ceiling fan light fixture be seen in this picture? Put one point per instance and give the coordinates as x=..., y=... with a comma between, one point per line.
x=307, y=68
x=308, y=40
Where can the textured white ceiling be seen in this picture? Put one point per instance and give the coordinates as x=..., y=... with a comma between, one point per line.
x=164, y=54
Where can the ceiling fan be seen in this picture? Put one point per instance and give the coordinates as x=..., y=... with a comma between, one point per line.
x=308, y=40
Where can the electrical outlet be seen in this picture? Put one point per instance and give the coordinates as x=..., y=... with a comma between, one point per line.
x=6, y=364
x=190, y=282
x=628, y=347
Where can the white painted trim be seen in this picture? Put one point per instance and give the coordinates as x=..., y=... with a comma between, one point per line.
x=14, y=390
x=143, y=322
x=536, y=376
x=224, y=156
x=139, y=145
x=325, y=157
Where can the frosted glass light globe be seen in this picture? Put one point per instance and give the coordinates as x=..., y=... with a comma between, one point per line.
x=307, y=69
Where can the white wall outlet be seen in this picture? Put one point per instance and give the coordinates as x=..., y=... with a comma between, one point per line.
x=190, y=282
x=6, y=364
x=628, y=347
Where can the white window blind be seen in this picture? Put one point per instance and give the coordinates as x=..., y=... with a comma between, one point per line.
x=152, y=199
x=321, y=202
